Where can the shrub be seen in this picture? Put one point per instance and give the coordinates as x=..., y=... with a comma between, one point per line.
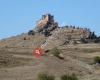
x=83, y=40
x=25, y=38
x=69, y=77
x=45, y=76
x=97, y=40
x=97, y=59
x=56, y=52
x=31, y=32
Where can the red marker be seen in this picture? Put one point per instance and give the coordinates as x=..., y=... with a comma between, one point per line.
x=38, y=52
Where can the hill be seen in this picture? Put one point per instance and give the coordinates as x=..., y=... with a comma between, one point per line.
x=77, y=45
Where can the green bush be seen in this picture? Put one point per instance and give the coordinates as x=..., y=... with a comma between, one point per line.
x=83, y=40
x=97, y=59
x=56, y=52
x=31, y=32
x=69, y=77
x=45, y=76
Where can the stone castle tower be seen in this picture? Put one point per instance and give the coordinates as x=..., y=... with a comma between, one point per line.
x=47, y=22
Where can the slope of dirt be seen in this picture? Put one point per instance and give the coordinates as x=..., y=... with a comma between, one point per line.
x=8, y=60
x=22, y=43
x=77, y=60
x=18, y=63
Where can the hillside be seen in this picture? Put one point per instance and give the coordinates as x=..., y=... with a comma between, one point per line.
x=18, y=63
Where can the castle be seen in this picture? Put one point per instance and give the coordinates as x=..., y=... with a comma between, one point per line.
x=45, y=19
x=47, y=22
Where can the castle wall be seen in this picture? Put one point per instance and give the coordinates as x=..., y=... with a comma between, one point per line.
x=45, y=19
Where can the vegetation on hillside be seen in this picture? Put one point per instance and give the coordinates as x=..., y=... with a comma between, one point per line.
x=45, y=76
x=97, y=59
x=56, y=52
x=69, y=77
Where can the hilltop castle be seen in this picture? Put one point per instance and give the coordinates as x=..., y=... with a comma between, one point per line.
x=47, y=24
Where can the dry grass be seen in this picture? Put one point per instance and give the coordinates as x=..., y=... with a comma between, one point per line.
x=8, y=60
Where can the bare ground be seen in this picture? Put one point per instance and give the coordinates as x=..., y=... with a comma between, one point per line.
x=24, y=66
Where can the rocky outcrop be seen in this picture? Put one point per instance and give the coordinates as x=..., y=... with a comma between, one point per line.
x=66, y=36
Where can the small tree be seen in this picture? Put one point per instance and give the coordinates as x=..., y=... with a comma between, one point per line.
x=31, y=32
x=97, y=40
x=56, y=52
x=97, y=59
x=83, y=40
x=45, y=76
x=92, y=35
x=69, y=77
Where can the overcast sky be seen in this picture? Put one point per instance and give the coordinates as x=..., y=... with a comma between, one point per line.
x=18, y=16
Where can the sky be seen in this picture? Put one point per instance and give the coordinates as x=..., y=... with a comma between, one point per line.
x=20, y=16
